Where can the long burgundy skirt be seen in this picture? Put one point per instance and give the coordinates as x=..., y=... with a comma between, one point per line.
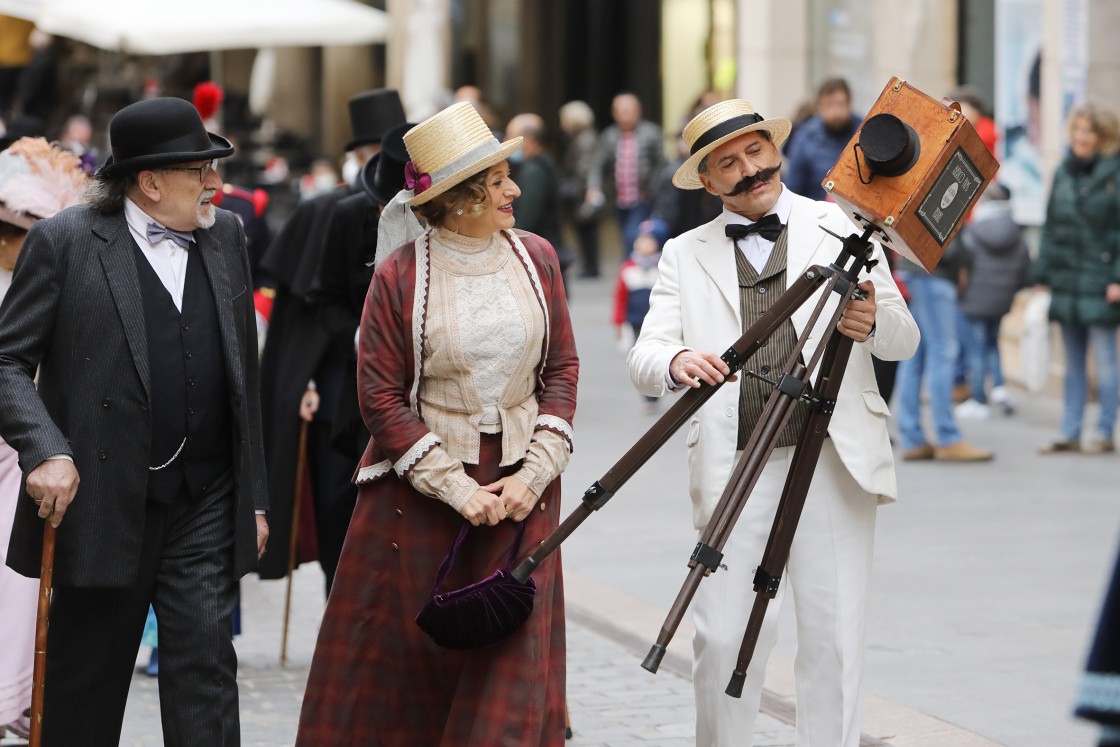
x=377, y=680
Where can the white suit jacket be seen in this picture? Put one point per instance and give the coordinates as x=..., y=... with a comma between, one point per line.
x=695, y=305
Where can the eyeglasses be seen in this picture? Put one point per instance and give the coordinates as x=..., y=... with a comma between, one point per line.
x=203, y=171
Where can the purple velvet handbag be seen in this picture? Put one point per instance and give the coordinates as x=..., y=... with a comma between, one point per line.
x=482, y=613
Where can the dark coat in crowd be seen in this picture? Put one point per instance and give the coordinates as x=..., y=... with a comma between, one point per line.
x=337, y=297
x=537, y=210
x=682, y=210
x=812, y=154
x=999, y=261
x=1079, y=254
x=294, y=349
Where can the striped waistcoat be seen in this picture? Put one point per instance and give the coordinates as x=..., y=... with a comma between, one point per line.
x=757, y=293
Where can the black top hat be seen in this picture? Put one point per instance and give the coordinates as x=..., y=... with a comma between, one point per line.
x=383, y=175
x=372, y=114
x=159, y=132
x=890, y=146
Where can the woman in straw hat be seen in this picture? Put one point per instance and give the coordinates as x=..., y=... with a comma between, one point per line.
x=37, y=180
x=467, y=382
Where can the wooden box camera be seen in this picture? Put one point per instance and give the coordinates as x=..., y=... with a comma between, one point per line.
x=913, y=170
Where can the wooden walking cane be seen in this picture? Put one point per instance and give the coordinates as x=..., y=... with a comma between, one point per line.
x=293, y=539
x=39, y=673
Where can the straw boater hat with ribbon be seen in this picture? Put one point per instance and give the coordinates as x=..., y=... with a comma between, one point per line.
x=449, y=148
x=718, y=124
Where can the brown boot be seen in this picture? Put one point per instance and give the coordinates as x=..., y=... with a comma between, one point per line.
x=961, y=452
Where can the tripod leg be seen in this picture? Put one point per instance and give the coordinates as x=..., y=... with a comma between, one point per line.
x=708, y=554
x=769, y=573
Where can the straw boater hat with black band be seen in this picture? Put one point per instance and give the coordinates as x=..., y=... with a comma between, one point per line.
x=449, y=148
x=718, y=124
x=159, y=132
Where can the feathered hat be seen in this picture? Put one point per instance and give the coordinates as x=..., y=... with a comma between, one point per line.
x=37, y=180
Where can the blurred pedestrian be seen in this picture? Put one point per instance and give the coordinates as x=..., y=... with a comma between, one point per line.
x=628, y=162
x=36, y=182
x=577, y=122
x=636, y=279
x=715, y=281
x=975, y=110
x=467, y=382
x=339, y=292
x=538, y=207
x=302, y=373
x=136, y=311
x=999, y=266
x=1079, y=262
x=679, y=210
x=821, y=139
x=933, y=302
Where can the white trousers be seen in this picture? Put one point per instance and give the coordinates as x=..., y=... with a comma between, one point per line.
x=828, y=574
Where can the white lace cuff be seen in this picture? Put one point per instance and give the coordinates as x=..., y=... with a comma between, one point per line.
x=560, y=426
x=374, y=471
x=416, y=453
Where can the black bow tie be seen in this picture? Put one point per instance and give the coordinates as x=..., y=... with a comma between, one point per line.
x=768, y=227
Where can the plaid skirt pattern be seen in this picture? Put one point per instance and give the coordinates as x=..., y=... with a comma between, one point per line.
x=377, y=680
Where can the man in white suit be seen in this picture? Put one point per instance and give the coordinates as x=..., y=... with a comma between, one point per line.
x=712, y=287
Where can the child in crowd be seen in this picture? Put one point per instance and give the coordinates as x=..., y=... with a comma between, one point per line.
x=635, y=281
x=999, y=267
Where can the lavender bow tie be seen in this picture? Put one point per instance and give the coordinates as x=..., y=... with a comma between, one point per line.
x=157, y=233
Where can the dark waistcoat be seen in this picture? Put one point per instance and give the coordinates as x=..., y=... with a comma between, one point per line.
x=190, y=402
x=757, y=293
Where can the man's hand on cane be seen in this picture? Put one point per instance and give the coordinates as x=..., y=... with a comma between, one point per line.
x=262, y=534
x=52, y=485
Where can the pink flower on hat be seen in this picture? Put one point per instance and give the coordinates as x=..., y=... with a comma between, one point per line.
x=415, y=179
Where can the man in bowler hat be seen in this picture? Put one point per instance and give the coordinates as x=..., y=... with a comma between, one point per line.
x=303, y=375
x=142, y=443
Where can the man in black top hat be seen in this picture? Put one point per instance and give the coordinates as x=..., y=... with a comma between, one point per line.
x=337, y=295
x=142, y=442
x=302, y=373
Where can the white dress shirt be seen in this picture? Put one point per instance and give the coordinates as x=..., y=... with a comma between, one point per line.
x=755, y=248
x=167, y=258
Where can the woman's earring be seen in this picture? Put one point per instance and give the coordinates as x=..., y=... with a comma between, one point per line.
x=459, y=211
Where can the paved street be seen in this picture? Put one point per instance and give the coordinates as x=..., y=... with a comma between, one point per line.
x=988, y=579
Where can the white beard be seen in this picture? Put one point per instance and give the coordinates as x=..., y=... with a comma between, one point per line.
x=205, y=215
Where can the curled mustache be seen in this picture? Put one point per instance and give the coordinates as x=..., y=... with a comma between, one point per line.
x=760, y=177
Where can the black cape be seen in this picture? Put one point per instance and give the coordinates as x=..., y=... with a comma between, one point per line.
x=294, y=349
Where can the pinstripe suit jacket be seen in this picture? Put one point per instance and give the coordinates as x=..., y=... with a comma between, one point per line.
x=74, y=313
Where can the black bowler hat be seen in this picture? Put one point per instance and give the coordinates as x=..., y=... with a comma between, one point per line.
x=383, y=175
x=372, y=114
x=890, y=146
x=159, y=132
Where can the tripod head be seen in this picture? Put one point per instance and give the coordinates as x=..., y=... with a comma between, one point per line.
x=855, y=254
